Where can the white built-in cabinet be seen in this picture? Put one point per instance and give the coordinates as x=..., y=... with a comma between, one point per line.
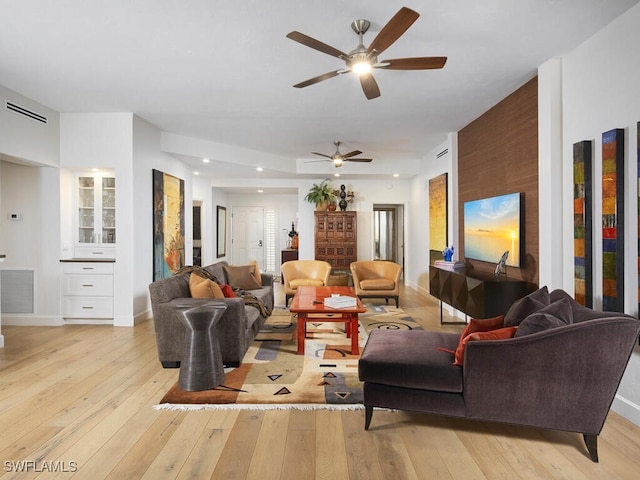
x=87, y=290
x=96, y=216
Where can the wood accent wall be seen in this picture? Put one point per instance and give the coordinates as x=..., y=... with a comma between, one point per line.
x=498, y=154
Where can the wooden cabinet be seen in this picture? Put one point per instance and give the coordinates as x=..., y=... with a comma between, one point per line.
x=478, y=295
x=336, y=238
x=289, y=254
x=87, y=290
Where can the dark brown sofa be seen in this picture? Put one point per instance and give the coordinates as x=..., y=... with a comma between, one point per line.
x=564, y=377
x=235, y=331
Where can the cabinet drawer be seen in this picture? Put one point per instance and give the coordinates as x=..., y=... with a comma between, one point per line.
x=87, y=307
x=97, y=251
x=88, y=285
x=88, y=268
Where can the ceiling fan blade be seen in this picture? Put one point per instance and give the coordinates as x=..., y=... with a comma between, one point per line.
x=351, y=154
x=394, y=28
x=369, y=86
x=417, y=63
x=319, y=78
x=365, y=160
x=322, y=155
x=315, y=44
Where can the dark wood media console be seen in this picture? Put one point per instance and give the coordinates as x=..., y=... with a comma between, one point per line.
x=478, y=295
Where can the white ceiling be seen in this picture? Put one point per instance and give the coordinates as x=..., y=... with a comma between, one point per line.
x=222, y=71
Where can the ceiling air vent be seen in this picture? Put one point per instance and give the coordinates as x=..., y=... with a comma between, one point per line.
x=15, y=108
x=442, y=153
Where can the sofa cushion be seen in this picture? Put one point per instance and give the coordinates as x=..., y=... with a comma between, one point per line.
x=526, y=306
x=377, y=284
x=201, y=287
x=256, y=272
x=242, y=277
x=301, y=282
x=475, y=325
x=410, y=359
x=557, y=314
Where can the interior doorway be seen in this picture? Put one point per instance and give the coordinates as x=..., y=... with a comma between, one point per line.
x=388, y=233
x=197, y=233
x=247, y=235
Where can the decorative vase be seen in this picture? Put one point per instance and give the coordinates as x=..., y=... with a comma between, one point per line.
x=322, y=206
x=343, y=196
x=332, y=207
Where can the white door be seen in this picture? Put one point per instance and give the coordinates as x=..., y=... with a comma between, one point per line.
x=247, y=235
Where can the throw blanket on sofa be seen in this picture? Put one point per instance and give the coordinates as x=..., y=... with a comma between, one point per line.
x=201, y=272
x=250, y=299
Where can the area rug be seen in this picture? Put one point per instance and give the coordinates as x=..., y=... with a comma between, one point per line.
x=273, y=376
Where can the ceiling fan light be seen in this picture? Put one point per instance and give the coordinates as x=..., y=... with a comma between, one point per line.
x=337, y=162
x=362, y=67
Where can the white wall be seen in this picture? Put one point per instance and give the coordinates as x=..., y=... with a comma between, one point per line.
x=600, y=92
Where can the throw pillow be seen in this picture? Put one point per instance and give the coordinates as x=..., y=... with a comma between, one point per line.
x=227, y=291
x=476, y=325
x=526, y=306
x=242, y=277
x=203, y=287
x=557, y=314
x=498, y=334
x=256, y=272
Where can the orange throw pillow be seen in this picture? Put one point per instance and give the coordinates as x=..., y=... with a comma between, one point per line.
x=498, y=334
x=256, y=272
x=476, y=325
x=227, y=291
x=203, y=287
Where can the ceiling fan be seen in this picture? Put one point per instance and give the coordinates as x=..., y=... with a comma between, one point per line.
x=338, y=158
x=363, y=59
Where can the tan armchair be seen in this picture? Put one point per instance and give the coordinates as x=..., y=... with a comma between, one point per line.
x=296, y=273
x=377, y=279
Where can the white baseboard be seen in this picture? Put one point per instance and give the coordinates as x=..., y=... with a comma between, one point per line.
x=627, y=409
x=31, y=321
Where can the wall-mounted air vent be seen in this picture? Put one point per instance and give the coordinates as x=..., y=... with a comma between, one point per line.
x=442, y=153
x=25, y=112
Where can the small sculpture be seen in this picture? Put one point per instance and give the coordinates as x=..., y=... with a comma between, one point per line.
x=343, y=197
x=447, y=253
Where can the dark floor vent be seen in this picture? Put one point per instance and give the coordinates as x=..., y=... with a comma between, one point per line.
x=15, y=108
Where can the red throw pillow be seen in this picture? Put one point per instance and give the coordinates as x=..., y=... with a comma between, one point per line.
x=227, y=291
x=497, y=334
x=476, y=325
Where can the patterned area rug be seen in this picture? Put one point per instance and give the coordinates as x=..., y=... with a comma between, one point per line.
x=273, y=376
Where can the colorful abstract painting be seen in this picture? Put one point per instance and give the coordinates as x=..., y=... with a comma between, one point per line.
x=168, y=224
x=582, y=222
x=613, y=220
x=438, y=212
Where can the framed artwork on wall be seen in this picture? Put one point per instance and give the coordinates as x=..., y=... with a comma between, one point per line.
x=168, y=224
x=221, y=231
x=613, y=220
x=583, y=222
x=438, y=207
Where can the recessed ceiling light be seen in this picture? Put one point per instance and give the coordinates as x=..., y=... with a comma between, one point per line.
x=260, y=191
x=258, y=169
x=396, y=175
x=336, y=174
x=205, y=160
x=196, y=173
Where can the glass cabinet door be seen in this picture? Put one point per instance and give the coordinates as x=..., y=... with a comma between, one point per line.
x=86, y=209
x=108, y=210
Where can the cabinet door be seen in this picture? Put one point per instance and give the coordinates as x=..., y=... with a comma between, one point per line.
x=96, y=200
x=86, y=210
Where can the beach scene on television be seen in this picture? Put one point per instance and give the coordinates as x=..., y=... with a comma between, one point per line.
x=491, y=227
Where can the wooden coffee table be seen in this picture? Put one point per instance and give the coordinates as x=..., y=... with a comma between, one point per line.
x=308, y=303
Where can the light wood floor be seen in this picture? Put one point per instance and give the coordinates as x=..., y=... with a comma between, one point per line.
x=80, y=398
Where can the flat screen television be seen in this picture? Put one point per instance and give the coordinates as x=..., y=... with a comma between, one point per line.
x=492, y=226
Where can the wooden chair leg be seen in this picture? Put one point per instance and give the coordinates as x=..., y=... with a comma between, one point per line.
x=591, y=441
x=368, y=413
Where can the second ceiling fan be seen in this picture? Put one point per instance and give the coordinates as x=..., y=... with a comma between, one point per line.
x=339, y=158
x=363, y=59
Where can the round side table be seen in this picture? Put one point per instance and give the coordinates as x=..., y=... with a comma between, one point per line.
x=201, y=367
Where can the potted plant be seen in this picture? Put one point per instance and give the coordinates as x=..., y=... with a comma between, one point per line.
x=321, y=194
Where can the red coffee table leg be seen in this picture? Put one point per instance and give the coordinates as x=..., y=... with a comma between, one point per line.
x=302, y=327
x=354, y=334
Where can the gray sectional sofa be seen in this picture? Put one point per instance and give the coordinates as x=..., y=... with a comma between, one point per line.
x=235, y=331
x=560, y=371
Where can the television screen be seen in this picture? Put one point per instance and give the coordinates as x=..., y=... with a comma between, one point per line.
x=493, y=226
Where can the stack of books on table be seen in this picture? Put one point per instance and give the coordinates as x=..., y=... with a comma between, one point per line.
x=449, y=264
x=340, y=301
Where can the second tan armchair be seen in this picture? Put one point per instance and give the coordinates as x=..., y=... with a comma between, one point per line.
x=377, y=279
x=296, y=273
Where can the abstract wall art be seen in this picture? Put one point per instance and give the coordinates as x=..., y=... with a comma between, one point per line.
x=583, y=222
x=168, y=224
x=438, y=207
x=613, y=220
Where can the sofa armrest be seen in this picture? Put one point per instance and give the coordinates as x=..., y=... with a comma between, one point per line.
x=564, y=378
x=267, y=279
